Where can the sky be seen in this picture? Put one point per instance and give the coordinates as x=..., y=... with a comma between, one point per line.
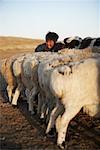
x=34, y=18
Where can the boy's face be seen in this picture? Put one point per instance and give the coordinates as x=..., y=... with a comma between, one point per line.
x=50, y=44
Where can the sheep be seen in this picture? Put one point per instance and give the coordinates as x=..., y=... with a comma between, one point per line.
x=96, y=45
x=86, y=42
x=29, y=76
x=16, y=69
x=11, y=69
x=34, y=88
x=93, y=43
x=47, y=65
x=6, y=71
x=72, y=42
x=3, y=83
x=64, y=57
x=41, y=57
x=90, y=42
x=45, y=69
x=78, y=86
x=9, y=74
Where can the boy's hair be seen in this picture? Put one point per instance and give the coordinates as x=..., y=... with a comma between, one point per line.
x=51, y=36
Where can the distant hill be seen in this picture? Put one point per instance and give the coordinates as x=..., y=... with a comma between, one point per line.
x=12, y=45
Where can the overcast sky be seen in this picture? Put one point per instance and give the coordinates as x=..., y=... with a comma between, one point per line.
x=34, y=18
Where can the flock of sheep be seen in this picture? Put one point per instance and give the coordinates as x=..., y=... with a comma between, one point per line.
x=65, y=82
x=79, y=43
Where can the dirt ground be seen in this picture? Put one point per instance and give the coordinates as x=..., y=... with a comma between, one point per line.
x=21, y=131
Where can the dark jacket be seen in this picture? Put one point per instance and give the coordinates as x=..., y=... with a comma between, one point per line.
x=44, y=48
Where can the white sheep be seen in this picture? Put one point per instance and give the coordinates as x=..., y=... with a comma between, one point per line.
x=63, y=57
x=6, y=70
x=29, y=76
x=10, y=70
x=75, y=85
x=44, y=70
x=16, y=69
x=29, y=79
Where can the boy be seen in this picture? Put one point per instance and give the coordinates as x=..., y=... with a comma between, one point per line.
x=50, y=44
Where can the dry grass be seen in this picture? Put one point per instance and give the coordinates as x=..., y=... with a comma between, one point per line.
x=12, y=45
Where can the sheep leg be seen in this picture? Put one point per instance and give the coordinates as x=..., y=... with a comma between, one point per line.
x=27, y=94
x=30, y=105
x=16, y=95
x=62, y=123
x=40, y=103
x=54, y=114
x=31, y=100
x=43, y=110
x=52, y=120
x=9, y=91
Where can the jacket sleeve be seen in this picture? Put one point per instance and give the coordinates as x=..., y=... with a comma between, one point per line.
x=58, y=46
x=40, y=48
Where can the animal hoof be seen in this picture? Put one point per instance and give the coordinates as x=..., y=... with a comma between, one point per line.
x=51, y=133
x=14, y=106
x=62, y=146
x=32, y=112
x=42, y=120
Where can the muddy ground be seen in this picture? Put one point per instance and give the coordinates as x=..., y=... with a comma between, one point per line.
x=21, y=131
